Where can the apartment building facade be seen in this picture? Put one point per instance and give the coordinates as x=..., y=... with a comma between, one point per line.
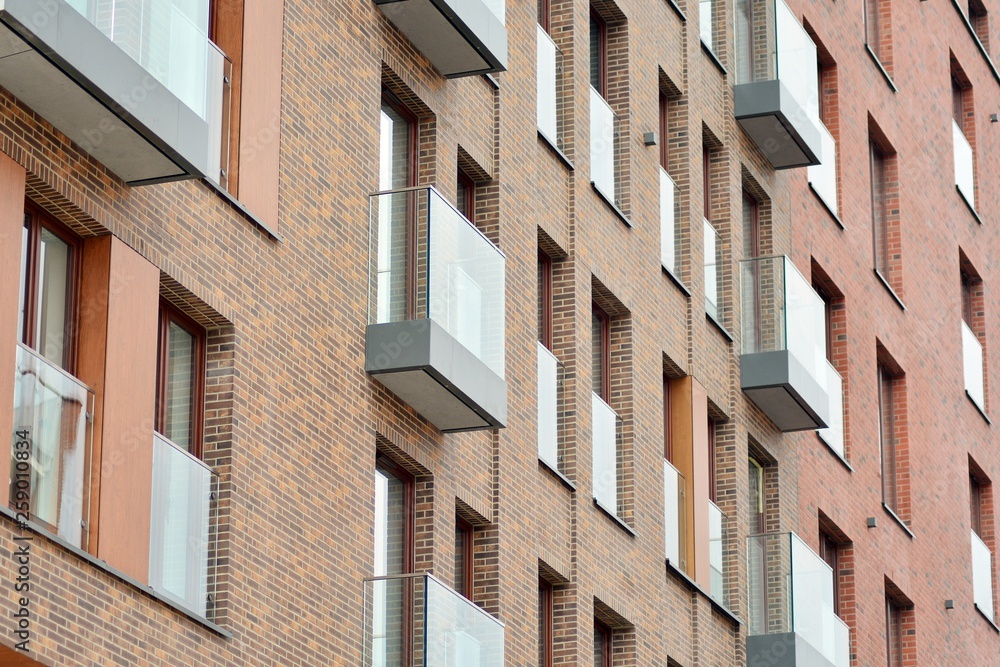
x=450, y=333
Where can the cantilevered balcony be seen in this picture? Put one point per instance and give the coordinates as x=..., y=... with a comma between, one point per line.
x=138, y=85
x=436, y=330
x=460, y=37
x=776, y=96
x=783, y=367
x=417, y=621
x=792, y=620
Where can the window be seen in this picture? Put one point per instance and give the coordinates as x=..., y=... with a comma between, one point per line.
x=545, y=14
x=49, y=280
x=668, y=440
x=893, y=633
x=602, y=644
x=549, y=78
x=180, y=373
x=611, y=442
x=711, y=459
x=976, y=504
x=963, y=133
x=544, y=299
x=465, y=196
x=609, y=91
x=829, y=551
x=706, y=20
x=600, y=357
x=464, y=543
x=545, y=624
x=751, y=227
x=397, y=154
x=879, y=213
x=835, y=322
x=983, y=540
x=878, y=32
x=598, y=53
x=823, y=178
x=394, y=500
x=973, y=333
x=670, y=200
x=887, y=437
x=980, y=20
x=713, y=248
x=758, y=524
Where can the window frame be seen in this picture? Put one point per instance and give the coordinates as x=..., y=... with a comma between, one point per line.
x=545, y=15
x=546, y=608
x=466, y=205
x=388, y=465
x=603, y=348
x=893, y=632
x=607, y=647
x=601, y=52
x=169, y=314
x=829, y=551
x=879, y=203
x=467, y=555
x=668, y=438
x=976, y=505
x=545, y=299
x=873, y=28
x=711, y=459
x=664, y=119
x=706, y=172
x=886, y=404
x=390, y=100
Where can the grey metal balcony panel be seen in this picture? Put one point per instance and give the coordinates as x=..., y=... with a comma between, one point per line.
x=436, y=375
x=785, y=649
x=68, y=72
x=461, y=37
x=784, y=390
x=780, y=127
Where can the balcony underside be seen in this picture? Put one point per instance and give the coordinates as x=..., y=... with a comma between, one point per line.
x=785, y=649
x=781, y=128
x=784, y=390
x=436, y=375
x=461, y=37
x=67, y=71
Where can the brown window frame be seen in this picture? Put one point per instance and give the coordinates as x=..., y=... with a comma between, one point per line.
x=976, y=505
x=893, y=632
x=824, y=295
x=664, y=130
x=604, y=351
x=668, y=438
x=706, y=173
x=35, y=220
x=968, y=294
x=754, y=244
x=711, y=459
x=880, y=213
x=546, y=608
x=600, y=629
x=544, y=299
x=545, y=14
x=466, y=205
x=602, y=52
x=829, y=551
x=168, y=313
x=887, y=426
x=389, y=465
x=465, y=587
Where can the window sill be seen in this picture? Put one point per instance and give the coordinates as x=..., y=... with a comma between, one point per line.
x=677, y=9
x=986, y=618
x=979, y=408
x=676, y=281
x=614, y=207
x=836, y=454
x=975, y=38
x=614, y=517
x=885, y=283
x=714, y=58
x=899, y=521
x=881, y=68
x=718, y=325
x=827, y=208
x=558, y=475
x=693, y=585
x=104, y=567
x=968, y=205
x=243, y=210
x=555, y=149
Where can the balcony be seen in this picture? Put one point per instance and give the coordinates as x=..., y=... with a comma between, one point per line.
x=549, y=379
x=459, y=37
x=791, y=612
x=783, y=366
x=972, y=361
x=604, y=133
x=137, y=85
x=982, y=576
x=436, y=331
x=417, y=621
x=181, y=533
x=964, y=166
x=606, y=432
x=51, y=448
x=716, y=553
x=674, y=516
x=670, y=215
x=776, y=97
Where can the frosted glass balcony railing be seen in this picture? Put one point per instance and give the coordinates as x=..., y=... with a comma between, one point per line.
x=791, y=593
x=964, y=165
x=603, y=147
x=455, y=275
x=180, y=530
x=51, y=447
x=823, y=176
x=219, y=100
x=549, y=375
x=713, y=249
x=777, y=47
x=705, y=11
x=549, y=63
x=670, y=215
x=982, y=576
x=498, y=8
x=606, y=428
x=674, y=515
x=834, y=434
x=417, y=621
x=716, y=553
x=972, y=359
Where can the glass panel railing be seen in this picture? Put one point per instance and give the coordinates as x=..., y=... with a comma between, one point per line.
x=549, y=374
x=781, y=311
x=51, y=448
x=606, y=427
x=982, y=576
x=603, y=147
x=674, y=515
x=670, y=215
x=705, y=24
x=964, y=165
x=823, y=177
x=713, y=249
x=834, y=434
x=772, y=44
x=219, y=96
x=716, y=553
x=549, y=62
x=417, y=621
x=180, y=531
x=791, y=590
x=457, y=278
x=972, y=359
x=498, y=8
